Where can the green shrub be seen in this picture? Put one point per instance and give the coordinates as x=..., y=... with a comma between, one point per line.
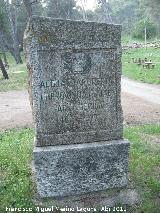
x=139, y=30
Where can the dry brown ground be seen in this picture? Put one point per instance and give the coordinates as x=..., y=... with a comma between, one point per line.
x=139, y=111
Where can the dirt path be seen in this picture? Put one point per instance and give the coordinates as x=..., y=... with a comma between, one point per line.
x=140, y=102
x=15, y=109
x=148, y=92
x=139, y=111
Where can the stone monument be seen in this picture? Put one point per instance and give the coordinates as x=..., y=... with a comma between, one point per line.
x=74, y=77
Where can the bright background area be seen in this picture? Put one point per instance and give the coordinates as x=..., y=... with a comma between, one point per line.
x=88, y=4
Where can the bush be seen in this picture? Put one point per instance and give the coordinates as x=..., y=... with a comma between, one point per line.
x=139, y=30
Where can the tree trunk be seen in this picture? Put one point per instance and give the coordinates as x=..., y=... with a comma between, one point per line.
x=105, y=7
x=5, y=43
x=83, y=10
x=28, y=6
x=2, y=45
x=13, y=26
x=5, y=58
x=145, y=34
x=2, y=67
x=107, y=16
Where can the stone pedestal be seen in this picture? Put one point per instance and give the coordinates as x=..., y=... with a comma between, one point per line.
x=125, y=198
x=82, y=168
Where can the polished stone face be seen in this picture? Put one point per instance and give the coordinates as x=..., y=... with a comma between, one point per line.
x=75, y=70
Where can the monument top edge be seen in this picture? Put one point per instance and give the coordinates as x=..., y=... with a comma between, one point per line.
x=46, y=31
x=35, y=18
x=121, y=142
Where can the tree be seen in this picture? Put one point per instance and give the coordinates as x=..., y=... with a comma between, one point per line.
x=83, y=4
x=61, y=9
x=2, y=47
x=11, y=11
x=27, y=8
x=105, y=11
x=154, y=10
x=28, y=5
x=33, y=7
x=144, y=29
x=2, y=67
x=2, y=27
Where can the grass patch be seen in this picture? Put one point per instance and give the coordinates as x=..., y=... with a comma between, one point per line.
x=17, y=76
x=135, y=72
x=16, y=187
x=16, y=147
x=145, y=165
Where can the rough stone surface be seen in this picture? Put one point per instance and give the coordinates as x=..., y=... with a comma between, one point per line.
x=74, y=76
x=120, y=197
x=81, y=168
x=75, y=71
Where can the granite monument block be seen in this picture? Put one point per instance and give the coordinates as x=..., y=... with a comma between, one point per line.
x=74, y=84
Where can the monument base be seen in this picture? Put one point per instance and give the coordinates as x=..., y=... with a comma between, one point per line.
x=125, y=198
x=78, y=169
